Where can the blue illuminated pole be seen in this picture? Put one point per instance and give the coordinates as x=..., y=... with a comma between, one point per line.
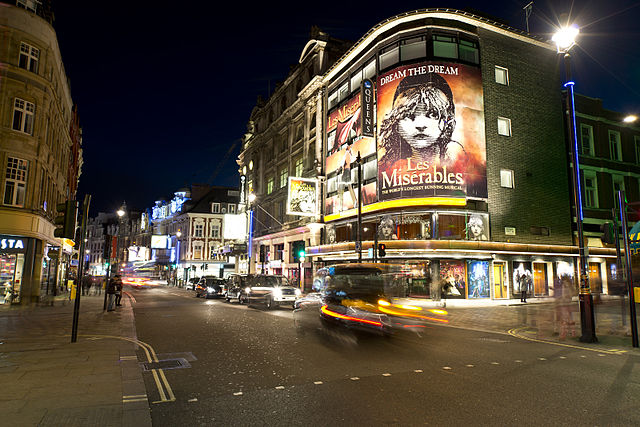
x=587, y=318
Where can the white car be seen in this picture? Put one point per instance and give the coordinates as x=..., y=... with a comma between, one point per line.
x=271, y=290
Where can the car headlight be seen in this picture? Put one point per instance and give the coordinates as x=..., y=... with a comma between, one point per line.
x=298, y=292
x=247, y=290
x=277, y=292
x=210, y=289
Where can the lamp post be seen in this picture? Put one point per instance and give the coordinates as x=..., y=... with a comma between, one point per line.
x=251, y=199
x=565, y=40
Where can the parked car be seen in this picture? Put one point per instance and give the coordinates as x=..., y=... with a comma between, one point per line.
x=236, y=286
x=191, y=283
x=271, y=290
x=211, y=287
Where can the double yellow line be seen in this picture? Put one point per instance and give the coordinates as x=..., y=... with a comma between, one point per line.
x=516, y=332
x=158, y=374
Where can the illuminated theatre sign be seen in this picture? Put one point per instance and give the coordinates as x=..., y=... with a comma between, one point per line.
x=302, y=196
x=431, y=139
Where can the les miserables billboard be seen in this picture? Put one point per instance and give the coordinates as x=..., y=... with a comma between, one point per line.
x=431, y=139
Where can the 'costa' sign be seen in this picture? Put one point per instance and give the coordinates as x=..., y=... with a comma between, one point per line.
x=11, y=243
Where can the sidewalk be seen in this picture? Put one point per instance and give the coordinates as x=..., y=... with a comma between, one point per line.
x=538, y=319
x=48, y=381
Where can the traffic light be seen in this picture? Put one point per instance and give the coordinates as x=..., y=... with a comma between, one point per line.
x=65, y=221
x=608, y=232
x=298, y=251
x=382, y=250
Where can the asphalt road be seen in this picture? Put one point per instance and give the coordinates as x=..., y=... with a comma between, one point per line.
x=254, y=367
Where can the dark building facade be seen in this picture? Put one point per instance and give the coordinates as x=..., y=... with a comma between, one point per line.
x=609, y=161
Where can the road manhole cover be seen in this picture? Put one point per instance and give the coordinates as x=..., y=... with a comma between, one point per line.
x=166, y=364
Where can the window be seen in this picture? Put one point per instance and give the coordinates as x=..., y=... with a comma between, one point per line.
x=231, y=208
x=356, y=79
x=636, y=139
x=198, y=230
x=215, y=231
x=504, y=126
x=15, y=182
x=618, y=185
x=29, y=57
x=215, y=207
x=270, y=185
x=590, y=190
x=389, y=56
x=469, y=51
x=299, y=167
x=343, y=92
x=370, y=70
x=23, y=116
x=28, y=4
x=413, y=48
x=615, y=148
x=197, y=250
x=445, y=46
x=506, y=178
x=586, y=140
x=284, y=173
x=502, y=76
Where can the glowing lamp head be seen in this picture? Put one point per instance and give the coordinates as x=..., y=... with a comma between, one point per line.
x=252, y=198
x=631, y=118
x=565, y=37
x=120, y=212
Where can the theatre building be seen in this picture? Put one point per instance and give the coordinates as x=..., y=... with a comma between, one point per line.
x=458, y=123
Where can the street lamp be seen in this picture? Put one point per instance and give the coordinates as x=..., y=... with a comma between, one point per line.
x=631, y=118
x=565, y=39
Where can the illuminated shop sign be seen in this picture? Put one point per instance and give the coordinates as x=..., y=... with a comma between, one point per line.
x=235, y=226
x=160, y=242
x=302, y=196
x=12, y=244
x=431, y=139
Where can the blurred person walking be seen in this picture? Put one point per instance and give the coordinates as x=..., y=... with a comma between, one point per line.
x=118, y=290
x=85, y=284
x=111, y=293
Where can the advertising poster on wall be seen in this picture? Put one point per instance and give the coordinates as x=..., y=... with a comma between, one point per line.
x=431, y=139
x=453, y=276
x=522, y=277
x=302, y=196
x=478, y=279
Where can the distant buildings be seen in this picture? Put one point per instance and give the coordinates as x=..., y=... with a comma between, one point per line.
x=40, y=151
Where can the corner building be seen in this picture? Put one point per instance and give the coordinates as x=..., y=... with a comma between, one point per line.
x=464, y=171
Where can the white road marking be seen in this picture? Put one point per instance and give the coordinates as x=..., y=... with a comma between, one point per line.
x=518, y=361
x=470, y=366
x=446, y=368
x=563, y=357
x=239, y=393
x=418, y=371
x=280, y=387
x=318, y=382
x=542, y=358
x=495, y=363
x=386, y=374
x=195, y=399
x=354, y=378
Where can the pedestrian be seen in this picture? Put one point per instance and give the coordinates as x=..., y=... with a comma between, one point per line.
x=118, y=290
x=111, y=294
x=85, y=284
x=98, y=285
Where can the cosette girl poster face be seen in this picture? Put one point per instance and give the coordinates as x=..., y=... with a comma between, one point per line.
x=431, y=139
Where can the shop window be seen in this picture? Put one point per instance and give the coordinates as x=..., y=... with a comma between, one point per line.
x=451, y=227
x=506, y=178
x=504, y=126
x=478, y=279
x=445, y=46
x=343, y=233
x=502, y=76
x=453, y=276
x=414, y=227
x=31, y=5
x=29, y=57
x=389, y=56
x=413, y=48
x=15, y=182
x=615, y=148
x=586, y=140
x=23, y=112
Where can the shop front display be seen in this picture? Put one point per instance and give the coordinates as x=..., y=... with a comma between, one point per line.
x=12, y=256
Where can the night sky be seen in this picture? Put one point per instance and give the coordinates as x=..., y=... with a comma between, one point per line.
x=165, y=89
